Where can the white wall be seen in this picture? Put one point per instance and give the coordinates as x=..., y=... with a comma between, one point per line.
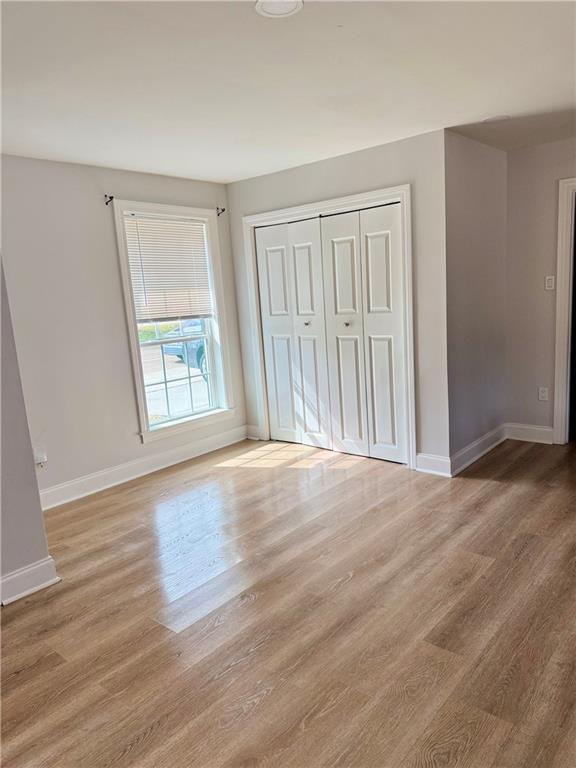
x=64, y=285
x=25, y=563
x=418, y=161
x=533, y=175
x=476, y=223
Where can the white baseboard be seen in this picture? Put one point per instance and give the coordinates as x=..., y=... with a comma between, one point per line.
x=253, y=432
x=475, y=450
x=450, y=467
x=432, y=464
x=425, y=462
x=530, y=433
x=29, y=579
x=106, y=478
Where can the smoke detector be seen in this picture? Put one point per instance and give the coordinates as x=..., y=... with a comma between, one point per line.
x=278, y=9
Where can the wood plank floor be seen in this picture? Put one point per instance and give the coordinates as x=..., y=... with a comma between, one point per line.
x=275, y=605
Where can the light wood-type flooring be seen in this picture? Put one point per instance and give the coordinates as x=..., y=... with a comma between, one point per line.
x=275, y=605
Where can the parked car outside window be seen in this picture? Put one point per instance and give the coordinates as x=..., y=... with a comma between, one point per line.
x=195, y=348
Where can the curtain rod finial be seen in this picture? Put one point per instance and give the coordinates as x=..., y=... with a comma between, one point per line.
x=108, y=199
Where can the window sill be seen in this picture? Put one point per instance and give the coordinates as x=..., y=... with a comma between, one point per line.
x=188, y=425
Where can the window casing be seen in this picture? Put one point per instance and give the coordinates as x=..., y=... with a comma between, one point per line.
x=172, y=282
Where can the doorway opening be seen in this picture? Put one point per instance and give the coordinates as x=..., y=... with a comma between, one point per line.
x=572, y=369
x=565, y=351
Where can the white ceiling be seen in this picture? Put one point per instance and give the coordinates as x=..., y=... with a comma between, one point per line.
x=211, y=90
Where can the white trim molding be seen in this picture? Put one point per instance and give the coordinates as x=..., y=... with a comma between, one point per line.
x=198, y=421
x=400, y=194
x=450, y=467
x=476, y=449
x=530, y=433
x=29, y=579
x=564, y=281
x=106, y=478
x=252, y=432
x=433, y=465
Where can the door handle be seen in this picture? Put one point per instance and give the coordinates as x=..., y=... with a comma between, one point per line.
x=306, y=322
x=347, y=324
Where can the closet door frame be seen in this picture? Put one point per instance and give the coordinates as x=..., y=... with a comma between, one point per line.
x=400, y=195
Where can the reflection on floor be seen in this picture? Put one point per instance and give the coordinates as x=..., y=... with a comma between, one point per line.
x=291, y=456
x=277, y=605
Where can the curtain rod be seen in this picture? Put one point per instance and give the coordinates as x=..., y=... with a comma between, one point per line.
x=108, y=199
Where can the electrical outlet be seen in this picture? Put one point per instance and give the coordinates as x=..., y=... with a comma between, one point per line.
x=543, y=393
x=550, y=283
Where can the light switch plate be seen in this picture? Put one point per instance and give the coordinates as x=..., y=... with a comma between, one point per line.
x=550, y=283
x=543, y=393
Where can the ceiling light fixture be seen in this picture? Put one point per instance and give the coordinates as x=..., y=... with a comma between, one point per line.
x=278, y=9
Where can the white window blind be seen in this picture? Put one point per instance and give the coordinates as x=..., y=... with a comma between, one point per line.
x=169, y=269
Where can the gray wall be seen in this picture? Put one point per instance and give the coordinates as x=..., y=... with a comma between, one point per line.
x=23, y=537
x=476, y=287
x=418, y=161
x=533, y=175
x=64, y=284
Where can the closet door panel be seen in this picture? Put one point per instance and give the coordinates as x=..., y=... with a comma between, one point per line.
x=276, y=303
x=313, y=399
x=381, y=380
x=350, y=416
x=277, y=286
x=304, y=279
x=312, y=395
x=383, y=290
x=293, y=325
x=378, y=273
x=344, y=331
x=283, y=378
x=345, y=270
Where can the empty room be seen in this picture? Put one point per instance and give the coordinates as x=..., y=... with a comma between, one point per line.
x=288, y=384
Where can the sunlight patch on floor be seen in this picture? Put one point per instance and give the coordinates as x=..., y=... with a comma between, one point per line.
x=291, y=456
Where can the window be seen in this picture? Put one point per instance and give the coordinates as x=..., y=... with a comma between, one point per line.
x=170, y=271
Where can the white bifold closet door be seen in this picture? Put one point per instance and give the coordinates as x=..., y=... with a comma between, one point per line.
x=364, y=295
x=345, y=332
x=292, y=304
x=384, y=331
